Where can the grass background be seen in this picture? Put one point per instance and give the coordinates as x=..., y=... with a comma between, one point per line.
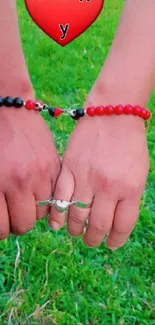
x=51, y=278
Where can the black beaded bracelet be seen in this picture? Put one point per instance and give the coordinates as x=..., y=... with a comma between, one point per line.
x=10, y=102
x=40, y=106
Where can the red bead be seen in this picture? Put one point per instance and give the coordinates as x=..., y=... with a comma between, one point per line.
x=99, y=110
x=147, y=115
x=91, y=111
x=58, y=112
x=118, y=110
x=142, y=112
x=30, y=104
x=128, y=109
x=136, y=110
x=109, y=110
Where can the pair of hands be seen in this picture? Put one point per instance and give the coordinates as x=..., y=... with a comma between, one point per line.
x=106, y=163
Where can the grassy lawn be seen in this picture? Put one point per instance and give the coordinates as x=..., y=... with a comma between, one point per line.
x=51, y=278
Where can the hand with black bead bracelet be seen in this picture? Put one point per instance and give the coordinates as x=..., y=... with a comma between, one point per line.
x=29, y=167
x=29, y=163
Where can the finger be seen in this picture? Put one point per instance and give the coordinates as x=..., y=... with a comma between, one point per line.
x=4, y=218
x=78, y=216
x=22, y=211
x=43, y=193
x=125, y=218
x=101, y=218
x=63, y=192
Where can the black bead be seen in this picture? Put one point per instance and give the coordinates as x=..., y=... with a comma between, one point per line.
x=8, y=101
x=80, y=112
x=18, y=102
x=76, y=114
x=1, y=101
x=51, y=111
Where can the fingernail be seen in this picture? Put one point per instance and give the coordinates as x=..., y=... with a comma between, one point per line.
x=55, y=225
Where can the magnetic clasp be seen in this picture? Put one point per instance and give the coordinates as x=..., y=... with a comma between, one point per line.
x=55, y=112
x=58, y=112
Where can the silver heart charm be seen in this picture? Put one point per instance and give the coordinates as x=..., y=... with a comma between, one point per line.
x=61, y=206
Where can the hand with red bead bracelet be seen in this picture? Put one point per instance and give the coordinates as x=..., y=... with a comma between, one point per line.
x=106, y=164
x=107, y=161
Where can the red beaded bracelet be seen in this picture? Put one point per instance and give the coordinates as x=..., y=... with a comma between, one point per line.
x=79, y=112
x=119, y=110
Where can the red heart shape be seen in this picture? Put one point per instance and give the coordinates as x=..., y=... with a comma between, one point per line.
x=64, y=20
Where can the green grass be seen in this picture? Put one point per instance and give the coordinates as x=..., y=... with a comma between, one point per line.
x=51, y=278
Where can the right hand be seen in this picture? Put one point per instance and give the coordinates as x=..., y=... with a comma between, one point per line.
x=29, y=167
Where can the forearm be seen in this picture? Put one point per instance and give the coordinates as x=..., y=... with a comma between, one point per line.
x=128, y=74
x=14, y=78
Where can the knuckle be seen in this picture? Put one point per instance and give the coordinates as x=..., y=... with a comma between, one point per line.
x=121, y=230
x=22, y=179
x=110, y=184
x=22, y=173
x=44, y=168
x=116, y=185
x=48, y=167
x=136, y=188
x=77, y=219
x=100, y=230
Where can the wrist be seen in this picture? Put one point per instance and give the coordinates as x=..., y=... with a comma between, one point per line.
x=16, y=87
x=105, y=93
x=21, y=90
x=118, y=127
x=110, y=89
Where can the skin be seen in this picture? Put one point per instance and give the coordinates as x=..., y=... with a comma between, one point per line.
x=110, y=168
x=29, y=163
x=115, y=181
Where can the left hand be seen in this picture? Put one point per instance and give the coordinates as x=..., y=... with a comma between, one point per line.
x=106, y=163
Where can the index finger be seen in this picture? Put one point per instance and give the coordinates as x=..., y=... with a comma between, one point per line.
x=63, y=191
